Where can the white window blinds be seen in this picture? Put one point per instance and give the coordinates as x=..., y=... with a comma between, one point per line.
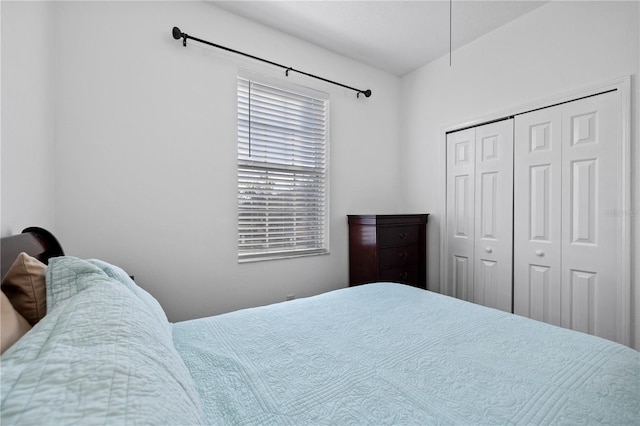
x=282, y=172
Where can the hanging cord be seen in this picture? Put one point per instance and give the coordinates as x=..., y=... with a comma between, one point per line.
x=177, y=34
x=450, y=31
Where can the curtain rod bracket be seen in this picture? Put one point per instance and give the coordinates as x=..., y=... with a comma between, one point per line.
x=177, y=34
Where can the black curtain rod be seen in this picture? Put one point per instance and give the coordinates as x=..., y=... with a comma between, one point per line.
x=177, y=34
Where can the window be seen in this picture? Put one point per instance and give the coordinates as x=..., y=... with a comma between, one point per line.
x=282, y=171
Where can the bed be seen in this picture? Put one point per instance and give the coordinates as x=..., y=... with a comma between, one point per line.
x=376, y=354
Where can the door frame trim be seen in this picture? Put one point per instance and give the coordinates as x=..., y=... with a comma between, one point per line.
x=622, y=85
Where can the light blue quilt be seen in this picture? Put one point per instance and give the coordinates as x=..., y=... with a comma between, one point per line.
x=388, y=354
x=379, y=354
x=103, y=354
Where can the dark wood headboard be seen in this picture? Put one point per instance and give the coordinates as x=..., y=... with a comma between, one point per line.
x=34, y=241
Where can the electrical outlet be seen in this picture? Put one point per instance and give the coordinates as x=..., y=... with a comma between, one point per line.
x=291, y=296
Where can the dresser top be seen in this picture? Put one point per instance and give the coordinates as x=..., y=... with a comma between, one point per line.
x=388, y=219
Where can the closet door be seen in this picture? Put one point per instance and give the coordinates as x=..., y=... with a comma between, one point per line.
x=479, y=214
x=460, y=213
x=537, y=215
x=565, y=246
x=493, y=213
x=589, y=236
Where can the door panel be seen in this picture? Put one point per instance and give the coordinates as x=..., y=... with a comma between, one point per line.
x=583, y=176
x=463, y=210
x=537, y=215
x=488, y=207
x=581, y=315
x=589, y=237
x=460, y=216
x=494, y=203
x=544, y=299
x=462, y=278
x=486, y=285
x=540, y=199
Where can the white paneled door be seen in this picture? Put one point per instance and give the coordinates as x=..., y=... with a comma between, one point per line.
x=461, y=216
x=538, y=215
x=566, y=179
x=479, y=219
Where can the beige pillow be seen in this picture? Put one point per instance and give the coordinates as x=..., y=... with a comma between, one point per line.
x=13, y=326
x=25, y=286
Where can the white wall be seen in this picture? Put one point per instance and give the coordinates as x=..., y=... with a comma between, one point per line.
x=27, y=145
x=559, y=47
x=145, y=153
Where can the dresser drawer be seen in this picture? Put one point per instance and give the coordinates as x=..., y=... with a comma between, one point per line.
x=398, y=256
x=404, y=274
x=398, y=235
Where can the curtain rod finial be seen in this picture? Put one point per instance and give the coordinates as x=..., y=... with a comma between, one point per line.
x=366, y=93
x=177, y=34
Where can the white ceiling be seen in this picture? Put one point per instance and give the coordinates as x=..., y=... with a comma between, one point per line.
x=395, y=36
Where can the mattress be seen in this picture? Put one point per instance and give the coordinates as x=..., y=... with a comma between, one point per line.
x=391, y=354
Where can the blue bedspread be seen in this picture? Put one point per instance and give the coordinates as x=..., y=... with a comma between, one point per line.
x=378, y=354
x=391, y=354
x=103, y=354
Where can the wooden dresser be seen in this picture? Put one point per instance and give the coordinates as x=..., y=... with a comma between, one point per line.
x=388, y=248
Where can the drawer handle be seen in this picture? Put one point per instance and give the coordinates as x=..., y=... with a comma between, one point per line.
x=403, y=255
x=539, y=253
x=488, y=249
x=403, y=235
x=403, y=275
